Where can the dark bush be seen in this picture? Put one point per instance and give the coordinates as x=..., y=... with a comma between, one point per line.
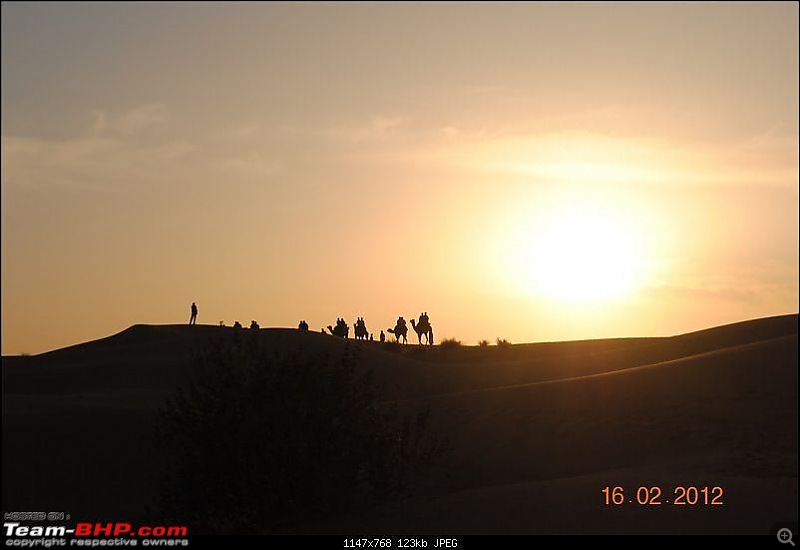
x=259, y=442
x=450, y=343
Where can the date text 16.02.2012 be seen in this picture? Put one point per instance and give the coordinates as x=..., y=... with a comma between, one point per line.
x=656, y=496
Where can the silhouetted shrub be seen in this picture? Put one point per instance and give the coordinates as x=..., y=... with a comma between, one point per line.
x=259, y=442
x=449, y=343
x=483, y=343
x=502, y=342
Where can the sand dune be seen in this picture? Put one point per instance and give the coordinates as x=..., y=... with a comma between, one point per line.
x=537, y=429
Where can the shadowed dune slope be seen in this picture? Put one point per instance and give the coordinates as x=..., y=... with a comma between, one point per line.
x=533, y=458
x=536, y=429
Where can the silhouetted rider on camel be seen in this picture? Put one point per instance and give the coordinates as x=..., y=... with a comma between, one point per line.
x=341, y=330
x=423, y=328
x=360, y=329
x=400, y=330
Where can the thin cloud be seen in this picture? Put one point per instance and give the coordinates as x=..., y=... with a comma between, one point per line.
x=132, y=121
x=123, y=149
x=377, y=128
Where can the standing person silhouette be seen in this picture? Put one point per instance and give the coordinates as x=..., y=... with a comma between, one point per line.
x=193, y=318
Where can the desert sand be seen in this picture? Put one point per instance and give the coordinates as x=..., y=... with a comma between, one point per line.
x=537, y=430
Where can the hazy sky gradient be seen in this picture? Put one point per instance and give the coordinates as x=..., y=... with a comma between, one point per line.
x=278, y=162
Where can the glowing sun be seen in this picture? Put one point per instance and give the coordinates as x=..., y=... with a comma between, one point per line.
x=582, y=255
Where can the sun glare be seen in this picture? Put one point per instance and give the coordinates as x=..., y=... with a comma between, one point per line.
x=578, y=254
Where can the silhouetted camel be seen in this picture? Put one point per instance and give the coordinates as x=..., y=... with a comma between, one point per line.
x=341, y=330
x=426, y=331
x=399, y=331
x=360, y=330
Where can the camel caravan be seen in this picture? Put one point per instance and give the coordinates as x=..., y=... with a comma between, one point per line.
x=422, y=327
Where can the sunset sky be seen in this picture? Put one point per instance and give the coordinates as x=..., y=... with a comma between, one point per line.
x=526, y=171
